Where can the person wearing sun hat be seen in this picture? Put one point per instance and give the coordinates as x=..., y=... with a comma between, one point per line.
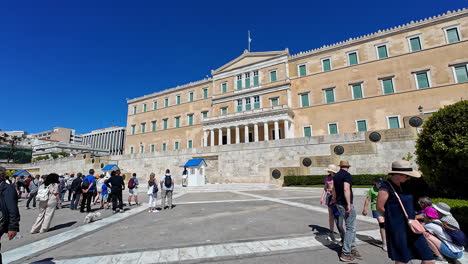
x=444, y=211
x=327, y=194
x=402, y=244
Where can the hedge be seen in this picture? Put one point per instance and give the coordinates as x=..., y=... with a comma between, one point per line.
x=358, y=179
x=459, y=210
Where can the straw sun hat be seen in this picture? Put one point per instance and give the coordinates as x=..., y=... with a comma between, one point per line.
x=333, y=168
x=405, y=168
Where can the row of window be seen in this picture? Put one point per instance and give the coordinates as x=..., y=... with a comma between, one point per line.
x=165, y=121
x=452, y=35
x=422, y=80
x=163, y=147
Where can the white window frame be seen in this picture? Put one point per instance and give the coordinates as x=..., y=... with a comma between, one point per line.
x=144, y=108
x=222, y=108
x=362, y=90
x=357, y=57
x=303, y=130
x=298, y=69
x=356, y=122
x=428, y=73
x=142, y=149
x=377, y=51
x=203, y=93
x=193, y=96
x=188, y=140
x=258, y=76
x=450, y=27
x=420, y=42
x=227, y=86
x=326, y=58
x=203, y=118
x=132, y=150
x=168, y=102
x=175, y=121
x=382, y=86
x=133, y=129
x=162, y=146
x=388, y=121
x=155, y=105
x=180, y=99
x=155, y=125
x=337, y=128
x=141, y=127
x=269, y=74
x=308, y=98
x=152, y=148
x=135, y=110
x=178, y=145
x=455, y=73
x=325, y=95
x=188, y=118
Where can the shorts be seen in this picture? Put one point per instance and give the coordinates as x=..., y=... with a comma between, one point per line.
x=328, y=199
x=133, y=192
x=104, y=197
x=376, y=214
x=449, y=253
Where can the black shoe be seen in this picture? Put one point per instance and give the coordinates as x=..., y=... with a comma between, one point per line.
x=28, y=208
x=114, y=211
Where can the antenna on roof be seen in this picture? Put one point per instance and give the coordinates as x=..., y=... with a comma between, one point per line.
x=249, y=40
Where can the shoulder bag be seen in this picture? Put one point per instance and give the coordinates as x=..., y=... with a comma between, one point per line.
x=415, y=226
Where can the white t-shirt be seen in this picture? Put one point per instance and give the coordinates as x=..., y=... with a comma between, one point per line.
x=164, y=185
x=99, y=184
x=444, y=237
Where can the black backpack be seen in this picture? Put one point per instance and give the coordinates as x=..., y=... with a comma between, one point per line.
x=85, y=184
x=168, y=181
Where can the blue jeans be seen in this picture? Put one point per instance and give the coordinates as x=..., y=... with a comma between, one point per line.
x=349, y=242
x=74, y=201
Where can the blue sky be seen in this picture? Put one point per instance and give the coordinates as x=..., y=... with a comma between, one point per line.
x=74, y=63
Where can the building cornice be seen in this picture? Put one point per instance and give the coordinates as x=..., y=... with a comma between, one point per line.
x=382, y=33
x=251, y=92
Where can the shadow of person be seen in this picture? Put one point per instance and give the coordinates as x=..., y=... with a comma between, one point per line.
x=370, y=240
x=60, y=226
x=44, y=261
x=321, y=235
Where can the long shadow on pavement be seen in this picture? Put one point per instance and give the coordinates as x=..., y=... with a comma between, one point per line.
x=60, y=226
x=44, y=261
x=321, y=235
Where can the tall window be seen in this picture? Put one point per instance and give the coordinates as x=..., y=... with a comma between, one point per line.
x=204, y=115
x=415, y=44
x=272, y=76
x=333, y=128
x=302, y=70
x=164, y=146
x=177, y=121
x=131, y=150
x=143, y=127
x=461, y=73
x=353, y=58
x=274, y=101
x=247, y=104
x=165, y=124
x=393, y=122
x=382, y=52
x=224, y=110
x=178, y=99
x=307, y=131
x=155, y=105
x=247, y=80
x=305, y=100
x=452, y=35
x=133, y=129
x=190, y=144
x=239, y=81
x=422, y=80
x=190, y=120
x=144, y=108
x=255, y=78
x=205, y=93
x=326, y=65
x=190, y=96
x=224, y=87
x=357, y=91
x=387, y=86
x=134, y=110
x=166, y=102
x=361, y=125
x=153, y=126
x=152, y=147
x=176, y=145
x=239, y=105
x=329, y=96
x=256, y=102
x=142, y=149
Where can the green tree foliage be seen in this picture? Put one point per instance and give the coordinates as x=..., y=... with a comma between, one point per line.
x=64, y=154
x=54, y=155
x=442, y=151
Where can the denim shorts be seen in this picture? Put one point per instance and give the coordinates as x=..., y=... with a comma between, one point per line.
x=376, y=214
x=449, y=253
x=104, y=197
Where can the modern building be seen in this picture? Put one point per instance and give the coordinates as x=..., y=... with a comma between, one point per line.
x=110, y=138
x=59, y=134
x=46, y=148
x=365, y=83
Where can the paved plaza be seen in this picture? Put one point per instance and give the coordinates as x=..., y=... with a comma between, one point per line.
x=224, y=224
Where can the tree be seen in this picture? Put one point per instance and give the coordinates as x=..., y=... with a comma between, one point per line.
x=12, y=141
x=442, y=150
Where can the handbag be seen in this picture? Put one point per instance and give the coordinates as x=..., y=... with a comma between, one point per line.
x=414, y=225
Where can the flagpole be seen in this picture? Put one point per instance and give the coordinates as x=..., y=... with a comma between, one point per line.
x=249, y=40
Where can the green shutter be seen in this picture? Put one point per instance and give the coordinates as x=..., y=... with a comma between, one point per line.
x=224, y=87
x=452, y=35
x=143, y=128
x=302, y=70
x=273, y=76
x=144, y=107
x=333, y=129
x=177, y=122
x=190, y=120
x=256, y=105
x=239, y=84
x=165, y=123
x=134, y=110
x=330, y=96
x=353, y=60
x=191, y=97
x=152, y=148
x=305, y=100
x=205, y=93
x=361, y=125
x=255, y=80
x=393, y=122
x=164, y=147
x=176, y=145
x=388, y=86
x=382, y=50
x=307, y=132
x=131, y=150
x=326, y=65
x=178, y=99
x=239, y=108
x=205, y=115
x=155, y=105
x=248, y=106
x=189, y=144
x=247, y=82
x=274, y=102
x=166, y=102
x=462, y=74
x=415, y=44
x=133, y=130
x=423, y=80
x=357, y=91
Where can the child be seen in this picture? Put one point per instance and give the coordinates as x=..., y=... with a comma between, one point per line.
x=372, y=199
x=105, y=194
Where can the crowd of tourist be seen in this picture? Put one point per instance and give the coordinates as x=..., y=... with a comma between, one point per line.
x=430, y=235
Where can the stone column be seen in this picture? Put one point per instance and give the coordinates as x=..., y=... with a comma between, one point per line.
x=220, y=136
x=265, y=131
x=256, y=132
x=286, y=129
x=212, y=137
x=246, y=133
x=277, y=135
x=205, y=138
x=237, y=135
x=228, y=135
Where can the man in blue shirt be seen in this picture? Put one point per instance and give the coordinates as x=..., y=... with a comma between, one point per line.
x=88, y=186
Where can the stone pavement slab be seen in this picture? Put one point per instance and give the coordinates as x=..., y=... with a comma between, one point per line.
x=284, y=194
x=211, y=196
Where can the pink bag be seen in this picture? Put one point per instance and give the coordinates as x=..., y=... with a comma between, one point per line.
x=415, y=226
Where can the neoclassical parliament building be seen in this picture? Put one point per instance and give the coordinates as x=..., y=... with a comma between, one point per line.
x=365, y=83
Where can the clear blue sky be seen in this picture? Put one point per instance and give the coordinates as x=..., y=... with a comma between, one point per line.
x=74, y=63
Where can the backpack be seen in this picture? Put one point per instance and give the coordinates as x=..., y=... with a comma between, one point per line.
x=457, y=236
x=131, y=183
x=85, y=184
x=43, y=194
x=168, y=181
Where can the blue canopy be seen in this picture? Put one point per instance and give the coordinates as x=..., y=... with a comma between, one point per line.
x=21, y=173
x=111, y=167
x=194, y=163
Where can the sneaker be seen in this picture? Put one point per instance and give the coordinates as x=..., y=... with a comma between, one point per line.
x=384, y=247
x=114, y=211
x=155, y=211
x=356, y=254
x=121, y=210
x=332, y=237
x=440, y=259
x=28, y=208
x=346, y=258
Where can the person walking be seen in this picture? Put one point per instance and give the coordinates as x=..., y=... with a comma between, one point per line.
x=75, y=189
x=33, y=188
x=327, y=195
x=88, y=185
x=47, y=207
x=343, y=197
x=116, y=184
x=167, y=187
x=185, y=177
x=133, y=189
x=394, y=203
x=372, y=199
x=62, y=189
x=152, y=193
x=69, y=184
x=99, y=184
x=9, y=208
